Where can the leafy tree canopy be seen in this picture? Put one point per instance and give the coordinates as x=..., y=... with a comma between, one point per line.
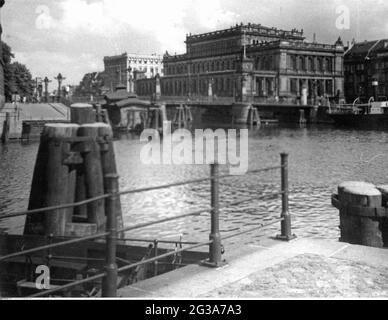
x=17, y=77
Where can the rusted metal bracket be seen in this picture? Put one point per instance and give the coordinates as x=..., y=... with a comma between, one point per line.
x=103, y=141
x=72, y=148
x=352, y=210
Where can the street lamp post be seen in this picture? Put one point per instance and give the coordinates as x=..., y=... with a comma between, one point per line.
x=46, y=94
x=59, y=78
x=375, y=86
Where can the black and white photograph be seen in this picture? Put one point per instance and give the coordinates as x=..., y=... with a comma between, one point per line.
x=207, y=151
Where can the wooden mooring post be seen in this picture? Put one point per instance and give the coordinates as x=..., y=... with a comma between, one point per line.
x=362, y=213
x=53, y=181
x=94, y=180
x=109, y=283
x=254, y=117
x=81, y=113
x=108, y=163
x=6, y=128
x=70, y=167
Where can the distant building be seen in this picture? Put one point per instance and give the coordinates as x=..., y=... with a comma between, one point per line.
x=122, y=69
x=366, y=70
x=252, y=62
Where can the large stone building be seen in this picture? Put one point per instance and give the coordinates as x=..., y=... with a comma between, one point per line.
x=124, y=68
x=366, y=70
x=252, y=62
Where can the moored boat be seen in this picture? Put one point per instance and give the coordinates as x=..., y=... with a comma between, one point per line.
x=372, y=115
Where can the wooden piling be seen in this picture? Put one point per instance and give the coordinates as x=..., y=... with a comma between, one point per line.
x=99, y=115
x=80, y=193
x=109, y=167
x=82, y=113
x=384, y=221
x=94, y=181
x=53, y=181
x=6, y=128
x=357, y=226
x=163, y=110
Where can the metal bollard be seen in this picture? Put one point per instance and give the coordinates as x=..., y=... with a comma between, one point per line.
x=215, y=248
x=109, y=283
x=155, y=255
x=286, y=234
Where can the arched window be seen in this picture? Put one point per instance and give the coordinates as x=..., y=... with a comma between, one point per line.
x=320, y=67
x=310, y=66
x=257, y=63
x=294, y=64
x=329, y=66
x=263, y=63
x=302, y=65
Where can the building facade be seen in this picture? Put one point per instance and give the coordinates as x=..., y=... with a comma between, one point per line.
x=252, y=62
x=366, y=70
x=122, y=69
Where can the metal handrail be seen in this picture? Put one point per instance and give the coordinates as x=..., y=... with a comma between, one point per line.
x=178, y=184
x=126, y=192
x=110, y=275
x=92, y=237
x=53, y=245
x=255, y=198
x=147, y=224
x=133, y=265
x=52, y=208
x=262, y=225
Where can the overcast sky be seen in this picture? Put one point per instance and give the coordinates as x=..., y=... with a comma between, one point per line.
x=73, y=36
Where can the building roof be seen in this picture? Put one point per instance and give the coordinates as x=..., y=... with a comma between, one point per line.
x=132, y=102
x=367, y=48
x=39, y=111
x=121, y=93
x=134, y=56
x=248, y=29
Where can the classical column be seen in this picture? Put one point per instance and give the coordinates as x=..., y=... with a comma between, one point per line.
x=264, y=86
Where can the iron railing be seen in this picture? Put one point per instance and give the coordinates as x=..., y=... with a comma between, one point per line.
x=111, y=234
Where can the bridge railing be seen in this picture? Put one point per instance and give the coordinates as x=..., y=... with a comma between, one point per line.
x=112, y=233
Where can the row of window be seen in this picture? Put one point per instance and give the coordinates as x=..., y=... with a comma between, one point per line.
x=269, y=62
x=213, y=48
x=145, y=69
x=227, y=87
x=200, y=67
x=379, y=65
x=310, y=63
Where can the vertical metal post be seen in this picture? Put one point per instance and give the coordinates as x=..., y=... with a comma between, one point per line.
x=215, y=248
x=155, y=255
x=109, y=283
x=286, y=234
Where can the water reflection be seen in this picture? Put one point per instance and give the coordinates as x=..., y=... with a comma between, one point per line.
x=320, y=158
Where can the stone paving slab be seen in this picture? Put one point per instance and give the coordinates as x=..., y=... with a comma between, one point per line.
x=310, y=276
x=302, y=268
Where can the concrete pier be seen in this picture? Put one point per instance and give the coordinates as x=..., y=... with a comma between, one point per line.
x=302, y=268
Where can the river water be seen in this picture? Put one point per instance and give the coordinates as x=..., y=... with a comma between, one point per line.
x=320, y=157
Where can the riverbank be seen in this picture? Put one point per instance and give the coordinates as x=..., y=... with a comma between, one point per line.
x=302, y=268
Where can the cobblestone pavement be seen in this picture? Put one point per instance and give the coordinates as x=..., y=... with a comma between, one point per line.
x=311, y=276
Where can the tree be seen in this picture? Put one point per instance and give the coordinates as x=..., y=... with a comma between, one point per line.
x=17, y=77
x=23, y=80
x=91, y=84
x=7, y=55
